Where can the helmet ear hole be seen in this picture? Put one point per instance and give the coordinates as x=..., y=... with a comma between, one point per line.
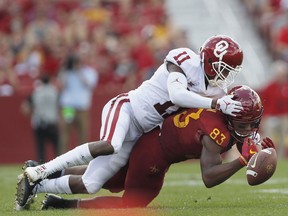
x=207, y=64
x=211, y=72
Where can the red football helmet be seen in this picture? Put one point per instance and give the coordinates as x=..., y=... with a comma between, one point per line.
x=247, y=123
x=221, y=59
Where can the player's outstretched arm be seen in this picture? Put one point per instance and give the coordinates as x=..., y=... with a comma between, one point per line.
x=215, y=172
x=177, y=87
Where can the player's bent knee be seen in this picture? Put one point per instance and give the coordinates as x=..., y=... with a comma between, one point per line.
x=93, y=188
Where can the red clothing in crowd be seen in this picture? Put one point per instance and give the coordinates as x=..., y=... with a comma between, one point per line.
x=283, y=36
x=275, y=99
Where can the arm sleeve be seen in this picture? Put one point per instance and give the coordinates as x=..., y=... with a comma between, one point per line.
x=179, y=95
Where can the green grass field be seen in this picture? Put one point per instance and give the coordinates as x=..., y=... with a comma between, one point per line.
x=183, y=194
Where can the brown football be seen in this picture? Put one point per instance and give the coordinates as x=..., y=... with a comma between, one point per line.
x=261, y=166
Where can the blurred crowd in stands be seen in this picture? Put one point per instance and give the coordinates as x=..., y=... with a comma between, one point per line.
x=123, y=40
x=271, y=20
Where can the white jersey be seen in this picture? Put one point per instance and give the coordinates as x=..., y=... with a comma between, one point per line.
x=151, y=102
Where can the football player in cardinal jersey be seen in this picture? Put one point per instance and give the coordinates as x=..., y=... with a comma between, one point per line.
x=184, y=80
x=192, y=133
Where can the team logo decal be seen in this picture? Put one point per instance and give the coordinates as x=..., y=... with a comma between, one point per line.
x=221, y=49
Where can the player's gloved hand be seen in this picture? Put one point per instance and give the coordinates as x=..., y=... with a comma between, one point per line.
x=228, y=106
x=248, y=150
x=267, y=143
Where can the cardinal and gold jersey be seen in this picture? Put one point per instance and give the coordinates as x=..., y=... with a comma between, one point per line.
x=181, y=133
x=179, y=140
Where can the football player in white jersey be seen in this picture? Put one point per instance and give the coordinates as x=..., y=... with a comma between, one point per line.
x=185, y=79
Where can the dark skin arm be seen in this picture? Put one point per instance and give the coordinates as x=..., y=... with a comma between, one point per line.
x=213, y=171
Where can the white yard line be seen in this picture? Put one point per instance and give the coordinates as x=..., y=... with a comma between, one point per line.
x=276, y=191
x=198, y=182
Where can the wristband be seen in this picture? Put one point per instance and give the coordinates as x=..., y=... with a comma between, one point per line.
x=214, y=104
x=242, y=160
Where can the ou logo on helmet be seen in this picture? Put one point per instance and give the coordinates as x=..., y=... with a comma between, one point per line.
x=221, y=49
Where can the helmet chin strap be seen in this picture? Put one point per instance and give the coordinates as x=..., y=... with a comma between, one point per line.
x=211, y=82
x=215, y=82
